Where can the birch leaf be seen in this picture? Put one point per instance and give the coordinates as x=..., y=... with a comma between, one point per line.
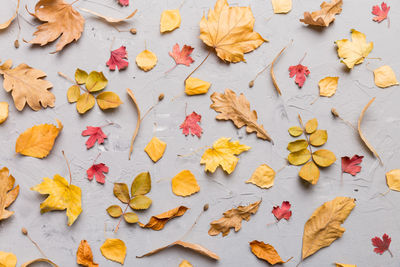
x=195, y=86
x=155, y=149
x=8, y=259
x=325, y=15
x=114, y=249
x=170, y=20
x=158, y=222
x=8, y=193
x=385, y=77
x=185, y=184
x=146, y=60
x=328, y=86
x=281, y=6
x=393, y=179
x=263, y=176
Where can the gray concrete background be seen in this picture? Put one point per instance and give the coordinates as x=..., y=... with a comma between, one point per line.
x=373, y=215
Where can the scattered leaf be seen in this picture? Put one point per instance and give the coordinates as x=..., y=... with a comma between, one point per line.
x=263, y=176
x=121, y=192
x=3, y=112
x=114, y=211
x=380, y=14
x=393, y=179
x=350, y=165
x=309, y=172
x=195, y=86
x=185, y=263
x=158, y=222
x=295, y=131
x=84, y=255
x=114, y=249
x=190, y=125
x=95, y=134
x=5, y=25
x=319, y=137
x=297, y=145
x=266, y=252
x=118, y=59
x=381, y=245
x=97, y=171
x=141, y=185
x=155, y=149
x=184, y=184
x=170, y=20
x=299, y=157
x=8, y=259
x=109, y=19
x=282, y=212
x=107, y=100
x=324, y=157
x=281, y=6
x=325, y=15
x=311, y=126
x=146, y=60
x=385, y=77
x=8, y=194
x=140, y=202
x=300, y=72
x=328, y=86
x=182, y=56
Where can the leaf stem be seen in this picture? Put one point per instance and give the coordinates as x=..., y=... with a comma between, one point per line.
x=72, y=81
x=25, y=232
x=391, y=254
x=171, y=69
x=251, y=83
x=209, y=52
x=120, y=219
x=194, y=223
x=301, y=60
x=69, y=169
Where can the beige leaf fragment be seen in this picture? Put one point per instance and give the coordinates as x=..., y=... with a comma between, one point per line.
x=106, y=18
x=281, y=6
x=385, y=77
x=328, y=86
x=5, y=25
x=263, y=176
x=325, y=15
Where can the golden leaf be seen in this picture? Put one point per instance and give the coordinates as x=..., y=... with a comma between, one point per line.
x=311, y=126
x=61, y=196
x=114, y=211
x=319, y=137
x=195, y=86
x=229, y=30
x=266, y=252
x=295, y=131
x=385, y=77
x=131, y=217
x=146, y=60
x=233, y=219
x=281, y=6
x=158, y=222
x=61, y=19
x=73, y=93
x=345, y=265
x=310, y=172
x=263, y=176
x=3, y=112
x=27, y=86
x=155, y=149
x=95, y=81
x=8, y=259
x=107, y=100
x=297, y=145
x=141, y=185
x=184, y=184
x=5, y=25
x=324, y=225
x=26, y=264
x=223, y=154
x=85, y=102
x=8, y=193
x=170, y=20
x=325, y=15
x=121, y=191
x=81, y=76
x=354, y=52
x=84, y=255
x=324, y=157
x=38, y=141
x=299, y=157
x=114, y=249
x=393, y=179
x=140, y=202
x=237, y=109
x=185, y=263
x=107, y=18
x=328, y=86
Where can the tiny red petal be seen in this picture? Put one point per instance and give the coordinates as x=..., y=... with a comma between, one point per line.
x=190, y=125
x=117, y=59
x=96, y=134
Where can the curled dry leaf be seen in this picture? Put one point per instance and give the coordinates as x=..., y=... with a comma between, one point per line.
x=325, y=15
x=327, y=86
x=393, y=179
x=363, y=138
x=158, y=222
x=384, y=77
x=146, y=60
x=272, y=73
x=170, y=20
x=3, y=112
x=237, y=109
x=184, y=184
x=114, y=249
x=84, y=255
x=281, y=6
x=233, y=219
x=27, y=86
x=324, y=225
x=266, y=252
x=130, y=93
x=5, y=25
x=8, y=193
x=195, y=86
x=106, y=18
x=263, y=176
x=38, y=141
x=26, y=264
x=8, y=259
x=155, y=149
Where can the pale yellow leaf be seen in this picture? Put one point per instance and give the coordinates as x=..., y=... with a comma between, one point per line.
x=3, y=112
x=297, y=145
x=309, y=172
x=96, y=81
x=170, y=20
x=263, y=176
x=114, y=211
x=311, y=126
x=385, y=77
x=281, y=6
x=131, y=217
x=140, y=202
x=146, y=60
x=195, y=86
x=328, y=86
x=184, y=184
x=114, y=249
x=295, y=131
x=393, y=179
x=155, y=149
x=81, y=76
x=7, y=259
x=107, y=100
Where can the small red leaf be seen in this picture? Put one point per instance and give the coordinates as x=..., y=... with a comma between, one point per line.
x=283, y=211
x=381, y=245
x=96, y=134
x=380, y=14
x=123, y=2
x=191, y=125
x=117, y=59
x=97, y=171
x=350, y=165
x=300, y=72
x=183, y=56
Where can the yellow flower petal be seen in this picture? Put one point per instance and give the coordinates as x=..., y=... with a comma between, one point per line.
x=114, y=249
x=309, y=172
x=263, y=176
x=328, y=86
x=393, y=179
x=299, y=157
x=146, y=60
x=324, y=157
x=73, y=93
x=3, y=111
x=281, y=6
x=85, y=102
x=184, y=184
x=107, y=100
x=155, y=149
x=7, y=259
x=170, y=20
x=385, y=77
x=195, y=86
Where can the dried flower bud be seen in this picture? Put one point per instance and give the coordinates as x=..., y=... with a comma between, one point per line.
x=24, y=231
x=206, y=206
x=133, y=31
x=161, y=97
x=334, y=112
x=251, y=83
x=16, y=43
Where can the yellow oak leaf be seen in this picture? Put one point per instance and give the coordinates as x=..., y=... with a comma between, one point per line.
x=328, y=86
x=61, y=196
x=281, y=6
x=393, y=179
x=324, y=225
x=354, y=52
x=84, y=255
x=27, y=86
x=155, y=149
x=61, y=19
x=114, y=249
x=8, y=193
x=223, y=154
x=229, y=30
x=5, y=25
x=146, y=60
x=184, y=184
x=3, y=112
x=158, y=222
x=263, y=176
x=385, y=77
x=195, y=86
x=325, y=15
x=107, y=100
x=170, y=20
x=38, y=141
x=266, y=252
x=7, y=259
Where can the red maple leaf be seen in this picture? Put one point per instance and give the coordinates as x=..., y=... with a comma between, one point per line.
x=381, y=14
x=117, y=59
x=123, y=2
x=300, y=72
x=97, y=171
x=381, y=245
x=283, y=211
x=181, y=56
x=191, y=125
x=96, y=134
x=350, y=165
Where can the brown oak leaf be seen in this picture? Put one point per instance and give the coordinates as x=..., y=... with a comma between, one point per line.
x=8, y=194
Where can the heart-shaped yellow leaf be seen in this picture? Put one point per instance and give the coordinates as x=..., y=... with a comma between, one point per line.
x=114, y=249
x=184, y=184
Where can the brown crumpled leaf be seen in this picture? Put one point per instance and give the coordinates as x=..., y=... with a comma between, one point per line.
x=266, y=252
x=27, y=86
x=8, y=194
x=233, y=219
x=237, y=109
x=26, y=264
x=194, y=247
x=5, y=25
x=325, y=15
x=61, y=19
x=84, y=255
x=158, y=222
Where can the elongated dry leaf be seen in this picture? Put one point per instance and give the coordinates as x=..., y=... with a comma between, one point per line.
x=27, y=86
x=158, y=222
x=324, y=225
x=194, y=247
x=237, y=109
x=130, y=93
x=8, y=193
x=5, y=25
x=325, y=15
x=266, y=252
x=272, y=73
x=106, y=18
x=363, y=138
x=233, y=219
x=26, y=264
x=84, y=255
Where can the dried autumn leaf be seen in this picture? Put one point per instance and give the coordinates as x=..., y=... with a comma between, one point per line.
x=141, y=185
x=297, y=145
x=393, y=179
x=107, y=18
x=266, y=252
x=237, y=109
x=97, y=170
x=319, y=137
x=81, y=76
x=95, y=134
x=233, y=219
x=381, y=245
x=299, y=157
x=84, y=255
x=350, y=165
x=223, y=154
x=190, y=125
x=170, y=20
x=146, y=60
x=195, y=86
x=155, y=149
x=380, y=14
x=301, y=72
x=114, y=211
x=263, y=176
x=60, y=19
x=3, y=112
x=5, y=25
x=324, y=225
x=8, y=259
x=325, y=15
x=27, y=86
x=184, y=184
x=384, y=77
x=85, y=102
x=282, y=212
x=61, y=196
x=324, y=157
x=26, y=264
x=229, y=30
x=182, y=56
x=131, y=217
x=185, y=263
x=158, y=222
x=118, y=59
x=309, y=172
x=73, y=93
x=38, y=141
x=140, y=202
x=114, y=249
x=311, y=126
x=328, y=86
x=95, y=81
x=107, y=100
x=281, y=6
x=354, y=52
x=295, y=131
x=121, y=192
x=8, y=193
x=123, y=2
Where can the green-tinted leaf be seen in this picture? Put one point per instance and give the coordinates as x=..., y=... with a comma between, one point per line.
x=309, y=172
x=85, y=102
x=131, y=217
x=141, y=185
x=295, y=131
x=324, y=157
x=107, y=100
x=73, y=93
x=319, y=137
x=80, y=76
x=140, y=202
x=114, y=211
x=297, y=145
x=121, y=191
x=96, y=81
x=311, y=126
x=299, y=157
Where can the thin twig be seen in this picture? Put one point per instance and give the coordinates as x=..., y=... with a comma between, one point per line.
x=194, y=223
x=251, y=83
x=72, y=81
x=301, y=60
x=69, y=169
x=25, y=232
x=209, y=52
x=120, y=219
x=130, y=93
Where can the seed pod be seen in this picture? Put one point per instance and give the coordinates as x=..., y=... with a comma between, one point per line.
x=251, y=83
x=133, y=31
x=334, y=112
x=16, y=43
x=161, y=97
x=206, y=206
x=24, y=231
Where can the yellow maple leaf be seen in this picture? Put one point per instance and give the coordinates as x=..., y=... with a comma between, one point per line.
x=355, y=51
x=38, y=141
x=229, y=30
x=223, y=154
x=61, y=196
x=184, y=184
x=8, y=194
